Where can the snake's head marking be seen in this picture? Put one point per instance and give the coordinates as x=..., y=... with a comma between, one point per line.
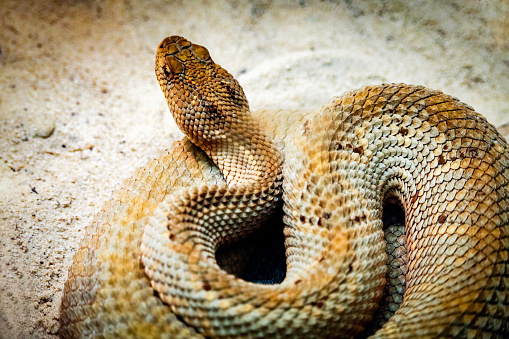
x=205, y=100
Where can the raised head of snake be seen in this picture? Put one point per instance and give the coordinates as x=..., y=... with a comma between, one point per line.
x=210, y=108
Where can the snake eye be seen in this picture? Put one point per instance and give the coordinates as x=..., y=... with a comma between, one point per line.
x=230, y=88
x=212, y=110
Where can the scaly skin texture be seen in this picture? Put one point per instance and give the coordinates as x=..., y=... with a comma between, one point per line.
x=148, y=268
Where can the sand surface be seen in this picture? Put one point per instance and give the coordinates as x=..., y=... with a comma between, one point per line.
x=80, y=107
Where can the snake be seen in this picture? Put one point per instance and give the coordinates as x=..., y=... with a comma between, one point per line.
x=149, y=266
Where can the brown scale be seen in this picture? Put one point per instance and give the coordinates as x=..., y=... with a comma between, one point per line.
x=170, y=256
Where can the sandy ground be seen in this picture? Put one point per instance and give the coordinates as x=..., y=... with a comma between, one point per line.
x=80, y=107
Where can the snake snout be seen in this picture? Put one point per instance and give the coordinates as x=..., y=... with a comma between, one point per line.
x=172, y=43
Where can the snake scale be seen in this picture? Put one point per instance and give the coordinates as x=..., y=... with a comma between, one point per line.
x=148, y=268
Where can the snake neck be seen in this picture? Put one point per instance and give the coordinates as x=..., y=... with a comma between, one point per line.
x=244, y=154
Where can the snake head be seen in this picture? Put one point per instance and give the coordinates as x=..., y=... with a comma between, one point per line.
x=205, y=100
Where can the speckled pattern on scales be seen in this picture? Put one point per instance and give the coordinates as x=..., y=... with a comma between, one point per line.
x=148, y=268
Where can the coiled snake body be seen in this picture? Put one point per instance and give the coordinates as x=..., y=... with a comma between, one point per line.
x=149, y=268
